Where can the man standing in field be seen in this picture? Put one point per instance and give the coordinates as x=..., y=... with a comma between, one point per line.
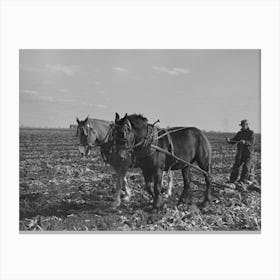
x=245, y=140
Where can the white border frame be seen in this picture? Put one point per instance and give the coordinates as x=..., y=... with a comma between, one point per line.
x=155, y=24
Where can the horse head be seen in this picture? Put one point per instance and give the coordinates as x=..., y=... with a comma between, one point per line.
x=87, y=136
x=129, y=130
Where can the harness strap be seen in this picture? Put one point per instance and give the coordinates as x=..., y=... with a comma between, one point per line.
x=150, y=138
x=179, y=159
x=170, y=142
x=170, y=131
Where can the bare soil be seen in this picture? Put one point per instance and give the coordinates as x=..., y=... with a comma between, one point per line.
x=59, y=191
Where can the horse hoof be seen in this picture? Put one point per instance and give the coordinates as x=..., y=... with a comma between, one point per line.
x=180, y=202
x=157, y=204
x=204, y=204
x=184, y=201
x=194, y=208
x=154, y=211
x=115, y=204
x=126, y=198
x=167, y=195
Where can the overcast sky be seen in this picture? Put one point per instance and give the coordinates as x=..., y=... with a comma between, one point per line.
x=210, y=89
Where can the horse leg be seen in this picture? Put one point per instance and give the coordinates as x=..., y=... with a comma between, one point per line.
x=149, y=182
x=162, y=179
x=119, y=185
x=157, y=188
x=170, y=184
x=127, y=190
x=208, y=196
x=186, y=196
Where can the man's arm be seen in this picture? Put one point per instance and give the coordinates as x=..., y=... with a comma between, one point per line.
x=251, y=140
x=233, y=140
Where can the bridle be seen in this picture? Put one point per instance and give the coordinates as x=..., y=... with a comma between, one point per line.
x=87, y=129
x=128, y=140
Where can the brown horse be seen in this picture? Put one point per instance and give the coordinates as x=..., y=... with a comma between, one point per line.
x=135, y=136
x=94, y=132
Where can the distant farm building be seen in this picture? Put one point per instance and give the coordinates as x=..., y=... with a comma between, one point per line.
x=73, y=126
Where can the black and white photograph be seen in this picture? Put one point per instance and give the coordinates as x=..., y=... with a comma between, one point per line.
x=140, y=140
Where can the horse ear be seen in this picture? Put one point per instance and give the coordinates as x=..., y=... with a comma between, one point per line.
x=78, y=121
x=86, y=119
x=117, y=117
x=125, y=115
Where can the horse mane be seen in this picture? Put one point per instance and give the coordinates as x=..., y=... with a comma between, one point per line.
x=137, y=120
x=100, y=121
x=91, y=120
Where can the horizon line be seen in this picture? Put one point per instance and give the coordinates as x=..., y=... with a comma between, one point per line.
x=63, y=127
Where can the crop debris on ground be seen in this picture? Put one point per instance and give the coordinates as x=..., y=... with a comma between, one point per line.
x=59, y=191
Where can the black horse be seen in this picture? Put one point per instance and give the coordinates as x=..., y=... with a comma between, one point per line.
x=135, y=135
x=94, y=132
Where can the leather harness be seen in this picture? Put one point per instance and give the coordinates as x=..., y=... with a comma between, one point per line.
x=170, y=142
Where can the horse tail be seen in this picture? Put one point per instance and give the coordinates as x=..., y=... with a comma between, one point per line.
x=210, y=155
x=205, y=156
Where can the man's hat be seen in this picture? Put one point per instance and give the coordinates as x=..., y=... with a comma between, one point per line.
x=243, y=122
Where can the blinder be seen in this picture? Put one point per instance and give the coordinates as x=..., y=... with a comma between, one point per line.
x=125, y=136
x=126, y=139
x=85, y=131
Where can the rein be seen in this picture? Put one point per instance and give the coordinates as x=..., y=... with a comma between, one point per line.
x=146, y=142
x=151, y=136
x=179, y=159
x=151, y=140
x=167, y=132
